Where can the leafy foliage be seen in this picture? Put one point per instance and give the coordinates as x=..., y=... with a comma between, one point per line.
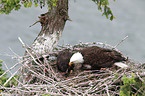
x=3, y=78
x=132, y=87
x=103, y=5
x=6, y=6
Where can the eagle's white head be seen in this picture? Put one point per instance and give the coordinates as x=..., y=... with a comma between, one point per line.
x=76, y=58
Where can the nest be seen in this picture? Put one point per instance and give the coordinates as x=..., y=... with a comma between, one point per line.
x=39, y=75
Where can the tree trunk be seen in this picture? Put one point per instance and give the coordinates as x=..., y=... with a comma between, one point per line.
x=52, y=24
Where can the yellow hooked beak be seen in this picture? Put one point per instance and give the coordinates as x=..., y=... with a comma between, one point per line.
x=70, y=63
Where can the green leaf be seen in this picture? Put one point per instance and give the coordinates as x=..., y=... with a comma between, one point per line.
x=111, y=18
x=54, y=4
x=36, y=5
x=106, y=1
x=103, y=4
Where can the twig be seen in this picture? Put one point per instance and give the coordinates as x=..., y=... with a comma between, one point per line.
x=120, y=42
x=11, y=77
x=40, y=75
x=28, y=50
x=139, y=77
x=33, y=24
x=53, y=73
x=14, y=52
x=9, y=69
x=107, y=89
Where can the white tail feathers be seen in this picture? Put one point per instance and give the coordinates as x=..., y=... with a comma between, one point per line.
x=120, y=64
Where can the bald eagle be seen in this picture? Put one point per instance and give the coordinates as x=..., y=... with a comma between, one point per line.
x=92, y=58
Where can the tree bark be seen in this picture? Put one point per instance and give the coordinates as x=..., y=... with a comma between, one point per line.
x=52, y=23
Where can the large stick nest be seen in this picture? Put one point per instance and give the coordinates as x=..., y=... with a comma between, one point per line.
x=39, y=75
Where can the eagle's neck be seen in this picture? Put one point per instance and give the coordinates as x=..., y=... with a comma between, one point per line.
x=77, y=66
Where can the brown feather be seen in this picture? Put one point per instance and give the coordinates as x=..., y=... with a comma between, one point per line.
x=99, y=57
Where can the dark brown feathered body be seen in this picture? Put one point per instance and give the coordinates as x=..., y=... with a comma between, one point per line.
x=98, y=57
